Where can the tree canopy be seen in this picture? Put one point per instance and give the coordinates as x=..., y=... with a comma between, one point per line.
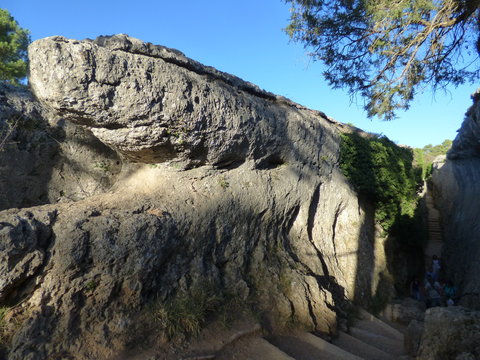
x=13, y=49
x=388, y=50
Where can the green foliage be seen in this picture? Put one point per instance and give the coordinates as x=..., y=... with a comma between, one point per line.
x=4, y=330
x=189, y=311
x=186, y=313
x=222, y=181
x=102, y=165
x=383, y=171
x=91, y=285
x=423, y=158
x=388, y=50
x=13, y=49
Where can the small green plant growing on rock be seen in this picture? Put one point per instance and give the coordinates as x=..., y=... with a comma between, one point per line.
x=91, y=285
x=187, y=312
x=102, y=165
x=222, y=181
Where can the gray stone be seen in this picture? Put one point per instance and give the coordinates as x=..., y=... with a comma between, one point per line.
x=248, y=198
x=44, y=159
x=403, y=311
x=22, y=250
x=153, y=104
x=450, y=333
x=457, y=190
x=413, y=336
x=467, y=142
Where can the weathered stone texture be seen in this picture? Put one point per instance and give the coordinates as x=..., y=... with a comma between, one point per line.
x=153, y=104
x=457, y=190
x=467, y=142
x=450, y=333
x=44, y=159
x=262, y=212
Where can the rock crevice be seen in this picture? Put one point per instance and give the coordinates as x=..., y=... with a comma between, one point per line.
x=241, y=190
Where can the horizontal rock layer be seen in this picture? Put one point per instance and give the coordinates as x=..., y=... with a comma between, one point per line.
x=153, y=104
x=263, y=213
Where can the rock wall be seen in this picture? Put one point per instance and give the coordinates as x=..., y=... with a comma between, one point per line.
x=45, y=159
x=457, y=190
x=450, y=333
x=241, y=190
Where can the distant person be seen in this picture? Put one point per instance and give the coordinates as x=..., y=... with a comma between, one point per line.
x=432, y=292
x=450, y=291
x=435, y=267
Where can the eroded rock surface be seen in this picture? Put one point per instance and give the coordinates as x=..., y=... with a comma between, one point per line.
x=153, y=104
x=457, y=190
x=45, y=159
x=450, y=333
x=467, y=143
x=263, y=212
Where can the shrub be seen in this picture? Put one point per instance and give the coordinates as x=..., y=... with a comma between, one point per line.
x=383, y=171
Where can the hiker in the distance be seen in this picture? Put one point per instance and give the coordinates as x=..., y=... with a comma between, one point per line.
x=432, y=292
x=435, y=267
x=450, y=293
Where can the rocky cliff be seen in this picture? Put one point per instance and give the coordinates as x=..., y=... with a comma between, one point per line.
x=457, y=190
x=220, y=191
x=46, y=159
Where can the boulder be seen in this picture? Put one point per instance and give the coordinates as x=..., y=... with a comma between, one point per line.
x=242, y=205
x=152, y=104
x=413, y=336
x=45, y=159
x=403, y=311
x=450, y=333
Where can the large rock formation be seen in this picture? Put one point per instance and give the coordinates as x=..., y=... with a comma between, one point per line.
x=153, y=104
x=450, y=333
x=457, y=190
x=45, y=161
x=262, y=214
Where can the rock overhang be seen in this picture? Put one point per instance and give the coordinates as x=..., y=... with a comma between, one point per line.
x=153, y=104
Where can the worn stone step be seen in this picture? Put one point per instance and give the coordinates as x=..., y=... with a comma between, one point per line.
x=255, y=348
x=375, y=325
x=359, y=348
x=306, y=346
x=381, y=342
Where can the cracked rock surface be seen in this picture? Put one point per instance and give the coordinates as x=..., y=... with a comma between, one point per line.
x=242, y=190
x=457, y=188
x=153, y=104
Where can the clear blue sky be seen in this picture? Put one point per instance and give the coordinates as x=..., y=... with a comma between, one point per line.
x=244, y=38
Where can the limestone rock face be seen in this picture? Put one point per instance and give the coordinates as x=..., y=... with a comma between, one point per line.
x=404, y=311
x=467, y=142
x=246, y=195
x=153, y=104
x=457, y=190
x=450, y=333
x=44, y=159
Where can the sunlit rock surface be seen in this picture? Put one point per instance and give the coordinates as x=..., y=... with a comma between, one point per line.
x=242, y=190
